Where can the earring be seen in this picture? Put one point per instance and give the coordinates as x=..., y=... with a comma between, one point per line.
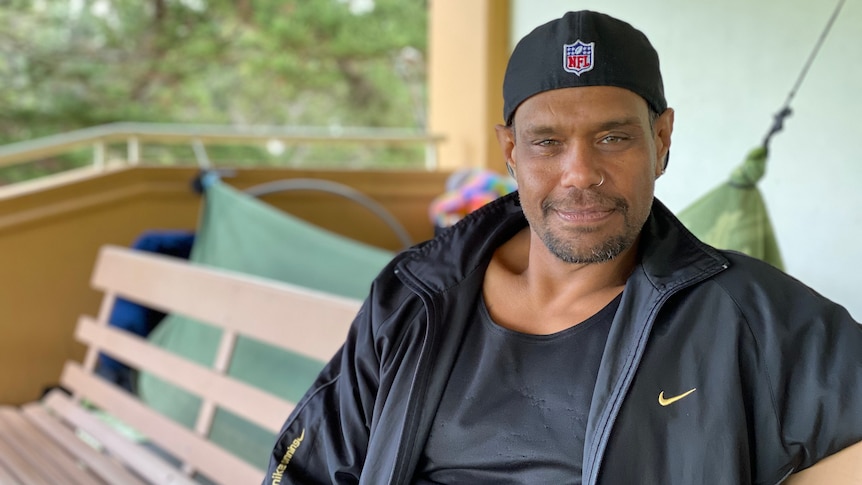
x=510, y=170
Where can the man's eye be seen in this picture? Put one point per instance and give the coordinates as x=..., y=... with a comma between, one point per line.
x=612, y=139
x=546, y=143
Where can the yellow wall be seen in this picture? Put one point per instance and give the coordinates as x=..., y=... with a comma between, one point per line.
x=49, y=239
x=468, y=50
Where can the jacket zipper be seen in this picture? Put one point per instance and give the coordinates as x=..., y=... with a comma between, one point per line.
x=419, y=385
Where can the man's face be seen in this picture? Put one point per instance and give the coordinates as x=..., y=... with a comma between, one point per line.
x=562, y=144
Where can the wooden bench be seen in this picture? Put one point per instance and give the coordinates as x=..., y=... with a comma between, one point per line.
x=60, y=439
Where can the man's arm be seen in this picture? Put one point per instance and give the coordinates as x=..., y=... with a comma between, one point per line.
x=325, y=438
x=842, y=468
x=818, y=397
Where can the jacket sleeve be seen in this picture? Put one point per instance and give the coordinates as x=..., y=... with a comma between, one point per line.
x=325, y=438
x=816, y=377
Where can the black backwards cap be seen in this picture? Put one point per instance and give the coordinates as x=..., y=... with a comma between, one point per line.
x=583, y=49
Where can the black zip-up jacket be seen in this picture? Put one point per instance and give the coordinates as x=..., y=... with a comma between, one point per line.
x=776, y=368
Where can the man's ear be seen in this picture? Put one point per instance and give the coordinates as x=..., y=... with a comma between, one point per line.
x=663, y=128
x=506, y=139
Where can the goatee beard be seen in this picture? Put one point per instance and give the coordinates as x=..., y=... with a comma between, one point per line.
x=564, y=248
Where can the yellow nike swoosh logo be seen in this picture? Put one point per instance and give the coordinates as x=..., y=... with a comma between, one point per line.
x=668, y=401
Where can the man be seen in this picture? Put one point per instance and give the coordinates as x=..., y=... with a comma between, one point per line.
x=576, y=332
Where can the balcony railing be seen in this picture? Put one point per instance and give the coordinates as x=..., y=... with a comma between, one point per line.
x=136, y=135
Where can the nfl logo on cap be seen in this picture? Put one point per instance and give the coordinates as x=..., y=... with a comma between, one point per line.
x=578, y=57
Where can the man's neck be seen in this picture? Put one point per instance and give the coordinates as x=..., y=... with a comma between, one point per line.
x=530, y=290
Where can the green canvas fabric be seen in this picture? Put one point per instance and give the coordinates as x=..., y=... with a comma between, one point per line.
x=241, y=233
x=733, y=215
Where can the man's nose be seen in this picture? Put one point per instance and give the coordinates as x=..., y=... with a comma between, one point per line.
x=581, y=167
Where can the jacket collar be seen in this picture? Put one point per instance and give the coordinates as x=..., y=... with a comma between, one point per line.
x=670, y=255
x=458, y=251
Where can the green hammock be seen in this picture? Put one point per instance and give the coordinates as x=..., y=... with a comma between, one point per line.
x=733, y=215
x=240, y=233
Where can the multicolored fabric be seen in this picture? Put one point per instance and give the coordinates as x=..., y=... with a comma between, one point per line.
x=467, y=190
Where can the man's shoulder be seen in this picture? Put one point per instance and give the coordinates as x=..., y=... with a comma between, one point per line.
x=745, y=272
x=767, y=296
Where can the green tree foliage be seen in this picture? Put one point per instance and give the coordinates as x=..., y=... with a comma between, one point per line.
x=69, y=64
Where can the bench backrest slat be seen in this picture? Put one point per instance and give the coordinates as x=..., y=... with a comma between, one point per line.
x=244, y=400
x=305, y=321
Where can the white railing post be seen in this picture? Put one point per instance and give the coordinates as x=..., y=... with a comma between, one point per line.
x=133, y=150
x=201, y=153
x=431, y=156
x=99, y=155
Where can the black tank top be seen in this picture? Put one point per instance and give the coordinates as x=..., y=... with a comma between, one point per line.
x=515, y=408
